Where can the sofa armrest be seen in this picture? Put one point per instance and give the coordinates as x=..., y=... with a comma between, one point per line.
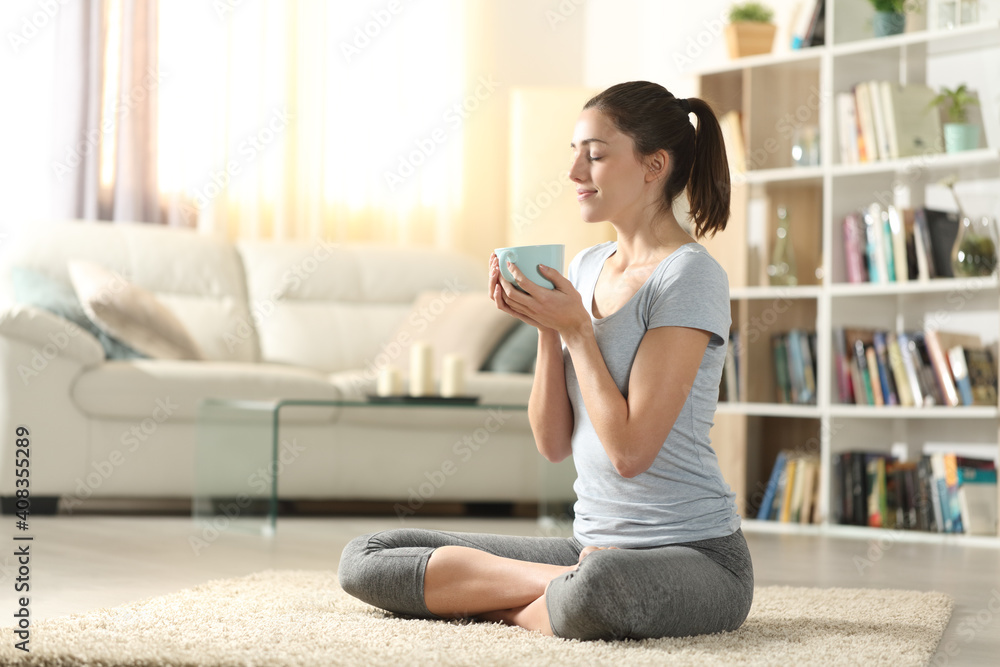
x=50, y=335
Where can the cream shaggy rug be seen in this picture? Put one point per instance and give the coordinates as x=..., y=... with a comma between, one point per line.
x=303, y=618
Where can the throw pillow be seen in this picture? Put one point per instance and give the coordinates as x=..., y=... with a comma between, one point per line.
x=130, y=313
x=34, y=288
x=467, y=324
x=516, y=352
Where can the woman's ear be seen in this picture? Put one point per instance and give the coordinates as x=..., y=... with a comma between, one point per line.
x=657, y=165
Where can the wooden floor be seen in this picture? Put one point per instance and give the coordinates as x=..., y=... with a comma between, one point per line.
x=80, y=563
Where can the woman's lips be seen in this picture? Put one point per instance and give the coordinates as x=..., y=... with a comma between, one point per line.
x=585, y=194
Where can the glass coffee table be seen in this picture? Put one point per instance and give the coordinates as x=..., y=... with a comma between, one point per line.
x=240, y=455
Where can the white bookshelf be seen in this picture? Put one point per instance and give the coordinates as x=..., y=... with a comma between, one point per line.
x=766, y=89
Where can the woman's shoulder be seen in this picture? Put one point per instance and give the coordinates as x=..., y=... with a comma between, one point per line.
x=693, y=261
x=589, y=257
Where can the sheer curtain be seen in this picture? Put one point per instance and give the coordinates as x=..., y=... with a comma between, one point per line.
x=312, y=118
x=105, y=140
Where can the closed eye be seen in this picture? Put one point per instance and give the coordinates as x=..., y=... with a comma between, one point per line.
x=595, y=158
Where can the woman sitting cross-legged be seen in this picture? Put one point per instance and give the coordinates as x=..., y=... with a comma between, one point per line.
x=631, y=346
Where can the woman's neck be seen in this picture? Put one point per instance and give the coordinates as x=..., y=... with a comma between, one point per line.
x=648, y=240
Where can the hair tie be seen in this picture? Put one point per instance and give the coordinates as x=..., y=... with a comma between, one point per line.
x=685, y=105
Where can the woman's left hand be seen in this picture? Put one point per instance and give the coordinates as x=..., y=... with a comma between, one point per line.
x=560, y=308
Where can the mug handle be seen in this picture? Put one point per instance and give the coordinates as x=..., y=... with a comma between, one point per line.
x=503, y=258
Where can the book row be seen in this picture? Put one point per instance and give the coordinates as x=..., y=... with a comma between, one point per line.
x=941, y=493
x=883, y=244
x=793, y=363
x=883, y=120
x=792, y=491
x=913, y=368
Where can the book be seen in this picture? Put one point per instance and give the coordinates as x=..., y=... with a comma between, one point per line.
x=858, y=340
x=842, y=367
x=878, y=119
x=875, y=249
x=897, y=234
x=956, y=359
x=866, y=122
x=874, y=375
x=889, y=114
x=731, y=125
x=928, y=511
x=942, y=229
x=982, y=376
x=809, y=488
x=922, y=247
x=907, y=349
x=816, y=34
x=764, y=512
x=889, y=395
x=899, y=373
x=942, y=370
x=786, y=502
x=925, y=369
x=855, y=246
x=917, y=124
x=876, y=490
x=782, y=381
x=978, y=508
x=847, y=128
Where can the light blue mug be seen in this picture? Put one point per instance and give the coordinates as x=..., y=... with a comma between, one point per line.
x=528, y=257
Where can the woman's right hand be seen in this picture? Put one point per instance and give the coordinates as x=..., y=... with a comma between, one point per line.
x=497, y=294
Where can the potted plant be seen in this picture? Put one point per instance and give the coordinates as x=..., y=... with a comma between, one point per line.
x=749, y=31
x=889, y=17
x=959, y=133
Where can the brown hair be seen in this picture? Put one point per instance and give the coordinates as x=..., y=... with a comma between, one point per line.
x=655, y=119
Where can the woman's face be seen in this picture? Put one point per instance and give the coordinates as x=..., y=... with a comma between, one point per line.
x=611, y=184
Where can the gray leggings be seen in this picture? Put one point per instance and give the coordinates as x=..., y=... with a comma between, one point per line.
x=670, y=591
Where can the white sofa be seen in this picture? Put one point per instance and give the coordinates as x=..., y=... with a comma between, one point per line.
x=273, y=320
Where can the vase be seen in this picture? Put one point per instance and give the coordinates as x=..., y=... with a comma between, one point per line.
x=888, y=23
x=781, y=270
x=960, y=137
x=975, y=251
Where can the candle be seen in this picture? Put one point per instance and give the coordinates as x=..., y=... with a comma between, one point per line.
x=421, y=369
x=390, y=382
x=453, y=375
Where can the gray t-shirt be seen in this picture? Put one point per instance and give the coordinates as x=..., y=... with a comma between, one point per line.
x=682, y=497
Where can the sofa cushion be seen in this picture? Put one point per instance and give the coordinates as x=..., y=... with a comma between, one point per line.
x=516, y=352
x=132, y=390
x=468, y=325
x=333, y=307
x=130, y=313
x=198, y=277
x=34, y=288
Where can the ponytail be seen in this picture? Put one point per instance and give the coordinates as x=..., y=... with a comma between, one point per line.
x=656, y=120
x=709, y=188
